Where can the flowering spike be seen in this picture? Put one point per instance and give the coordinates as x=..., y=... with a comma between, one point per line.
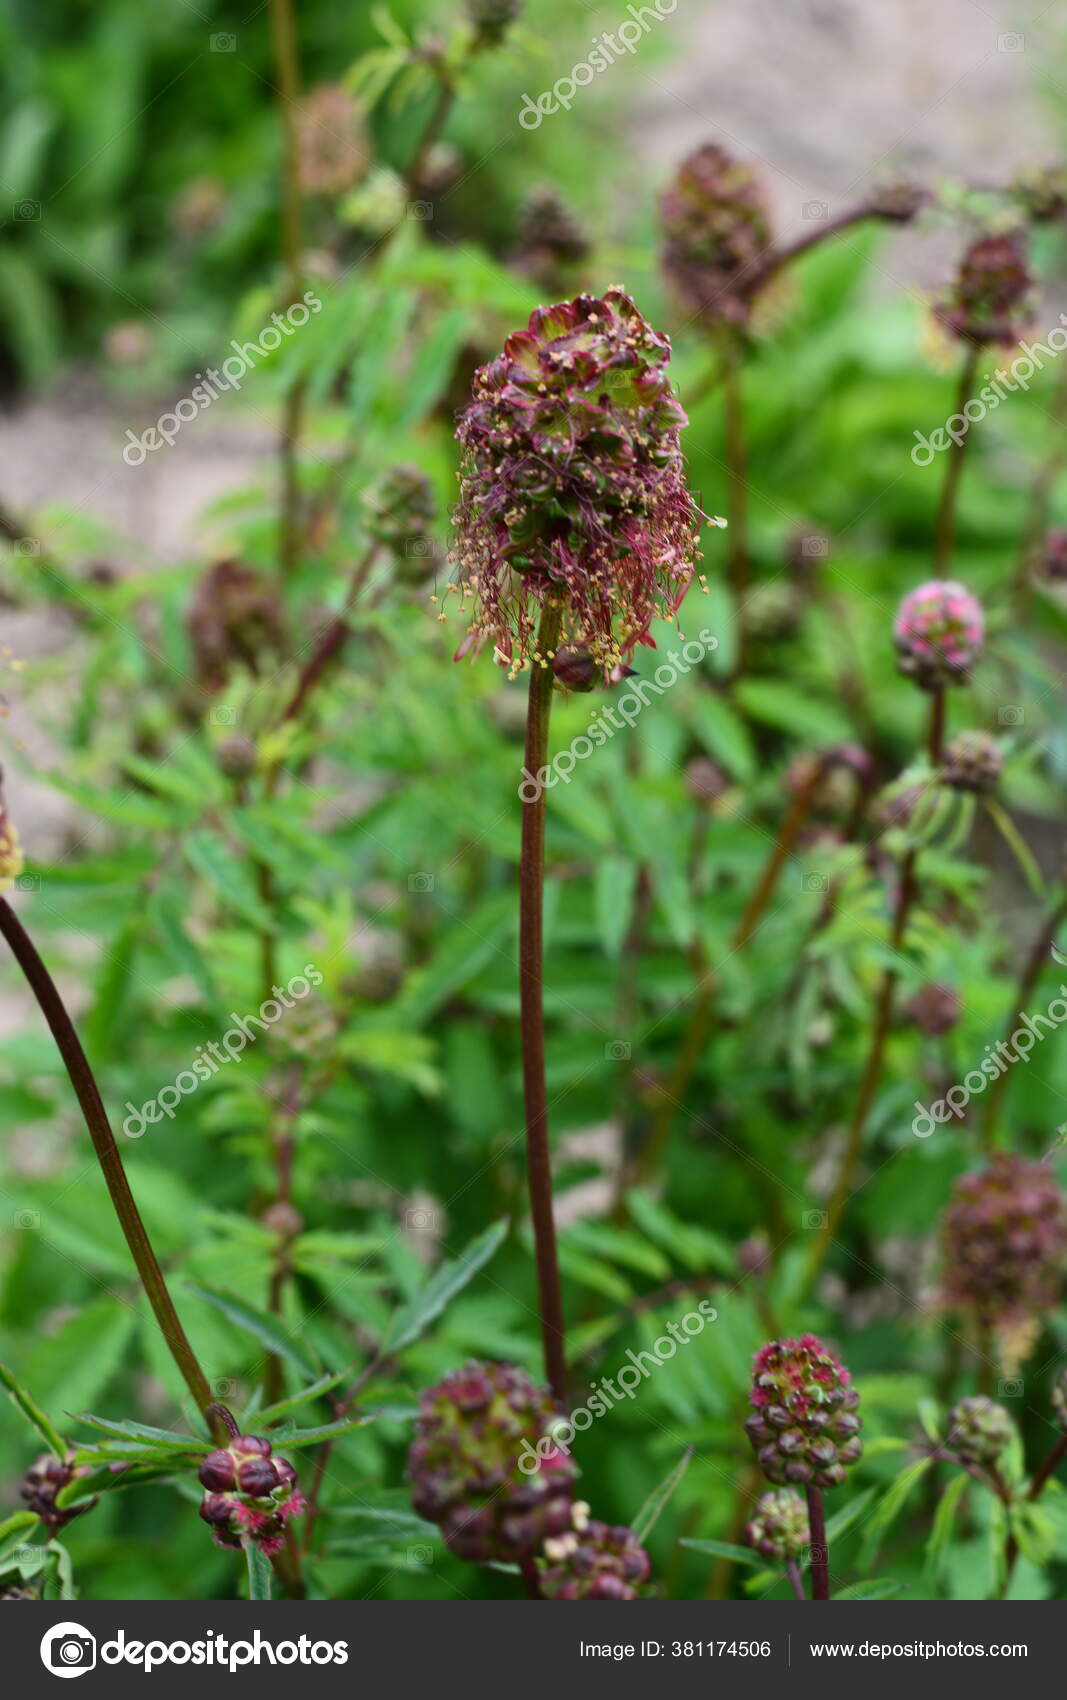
x=597, y=1562
x=978, y=1430
x=972, y=762
x=990, y=298
x=249, y=1493
x=573, y=486
x=779, y=1529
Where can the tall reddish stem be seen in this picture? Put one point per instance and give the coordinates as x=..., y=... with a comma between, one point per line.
x=531, y=993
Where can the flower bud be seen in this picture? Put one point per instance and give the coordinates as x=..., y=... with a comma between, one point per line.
x=44, y=1480
x=575, y=668
x=237, y=755
x=492, y=19
x=1042, y=189
x=779, y=1528
x=597, y=1562
x=939, y=631
x=250, y=1494
x=991, y=296
x=332, y=148
x=804, y=1425
x=234, y=618
x=899, y=202
x=935, y=1008
x=978, y=1430
x=716, y=223
x=972, y=761
x=550, y=240
x=704, y=781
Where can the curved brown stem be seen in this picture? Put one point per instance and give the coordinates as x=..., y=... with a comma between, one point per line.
x=531, y=997
x=91, y=1104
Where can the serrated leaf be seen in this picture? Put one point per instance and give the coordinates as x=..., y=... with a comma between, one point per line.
x=724, y=1549
x=269, y=1330
x=259, y=1572
x=124, y=1428
x=944, y=1520
x=874, y=1588
x=891, y=1505
x=33, y=1413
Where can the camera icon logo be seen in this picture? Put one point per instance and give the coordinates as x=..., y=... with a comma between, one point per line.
x=617, y=1050
x=1011, y=43
x=1010, y=714
x=418, y=548
x=27, y=210
x=815, y=1218
x=68, y=1650
x=1012, y=1387
x=815, y=209
x=225, y=42
x=815, y=547
x=224, y=715
x=420, y=882
x=28, y=546
x=27, y=1219
x=420, y=209
x=815, y=882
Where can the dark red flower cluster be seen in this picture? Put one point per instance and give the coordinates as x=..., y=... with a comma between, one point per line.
x=473, y=1429
x=250, y=1494
x=572, y=486
x=972, y=761
x=597, y=1562
x=1004, y=1237
x=717, y=228
x=41, y=1484
x=234, y=618
x=804, y=1425
x=978, y=1430
x=990, y=298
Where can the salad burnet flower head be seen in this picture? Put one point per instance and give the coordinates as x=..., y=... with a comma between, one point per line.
x=939, y=631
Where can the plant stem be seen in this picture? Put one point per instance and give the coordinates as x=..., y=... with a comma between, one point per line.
x=796, y=1580
x=1045, y=1469
x=1028, y=979
x=531, y=992
x=287, y=70
x=936, y=735
x=820, y=1555
x=945, y=531
x=531, y=1578
x=700, y=1022
x=107, y=1152
x=821, y=232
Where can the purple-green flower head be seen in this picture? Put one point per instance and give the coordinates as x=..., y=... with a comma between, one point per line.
x=978, y=1430
x=991, y=297
x=717, y=229
x=474, y=1430
x=935, y=1008
x=972, y=761
x=572, y=487
x=939, y=631
x=249, y=1493
x=804, y=1424
x=1052, y=559
x=597, y=1562
x=779, y=1528
x=42, y=1483
x=1004, y=1238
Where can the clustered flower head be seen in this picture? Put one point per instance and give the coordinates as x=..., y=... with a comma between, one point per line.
x=978, y=1430
x=1042, y=190
x=550, y=237
x=935, y=1008
x=803, y=1425
x=331, y=140
x=779, y=1529
x=250, y=1494
x=595, y=1562
x=464, y=1464
x=573, y=486
x=1004, y=1236
x=234, y=618
x=44, y=1480
x=939, y=630
x=717, y=228
x=990, y=298
x=972, y=761
x=402, y=512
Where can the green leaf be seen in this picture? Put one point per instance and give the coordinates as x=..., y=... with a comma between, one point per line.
x=723, y=734
x=944, y=1520
x=76, y=1363
x=849, y=1515
x=326, y=1431
x=259, y=1572
x=613, y=892
x=271, y=1413
x=874, y=1588
x=660, y=1496
x=126, y=1429
x=210, y=858
x=33, y=1413
x=268, y=1330
x=15, y=1524
x=891, y=1506
x=723, y=1549
x=442, y=1286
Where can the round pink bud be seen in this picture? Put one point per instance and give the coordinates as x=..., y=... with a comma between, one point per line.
x=939, y=631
